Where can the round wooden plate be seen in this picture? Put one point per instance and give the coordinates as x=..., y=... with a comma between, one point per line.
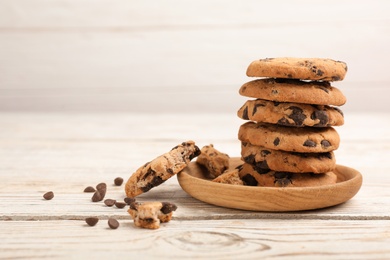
x=192, y=179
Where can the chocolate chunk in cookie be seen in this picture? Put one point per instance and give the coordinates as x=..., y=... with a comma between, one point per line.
x=151, y=214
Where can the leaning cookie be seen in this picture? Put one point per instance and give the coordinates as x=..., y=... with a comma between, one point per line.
x=293, y=90
x=215, y=161
x=264, y=160
x=292, y=139
x=151, y=214
x=161, y=169
x=290, y=114
x=298, y=68
x=251, y=177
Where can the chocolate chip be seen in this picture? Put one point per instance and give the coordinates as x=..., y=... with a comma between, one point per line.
x=168, y=207
x=249, y=180
x=157, y=180
x=297, y=115
x=282, y=178
x=249, y=159
x=320, y=72
x=255, y=108
x=120, y=205
x=129, y=200
x=339, y=110
x=118, y=181
x=48, y=195
x=262, y=167
x=170, y=171
x=324, y=89
x=195, y=153
x=91, y=221
x=276, y=141
x=245, y=113
x=100, y=192
x=113, y=223
x=101, y=186
x=309, y=143
x=325, y=144
x=97, y=196
x=265, y=153
x=320, y=115
x=89, y=189
x=109, y=202
x=134, y=205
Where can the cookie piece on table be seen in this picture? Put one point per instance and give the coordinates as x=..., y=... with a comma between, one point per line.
x=292, y=139
x=291, y=114
x=298, y=68
x=214, y=161
x=293, y=90
x=229, y=177
x=264, y=160
x=251, y=177
x=151, y=214
x=161, y=169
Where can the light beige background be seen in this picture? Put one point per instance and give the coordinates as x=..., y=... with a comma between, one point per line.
x=172, y=56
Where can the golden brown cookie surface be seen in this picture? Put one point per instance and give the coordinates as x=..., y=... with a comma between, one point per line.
x=292, y=139
x=215, y=161
x=298, y=68
x=293, y=90
x=264, y=160
x=290, y=114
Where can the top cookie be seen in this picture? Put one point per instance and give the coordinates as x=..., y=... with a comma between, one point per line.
x=298, y=68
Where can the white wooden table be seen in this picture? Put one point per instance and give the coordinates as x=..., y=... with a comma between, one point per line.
x=65, y=153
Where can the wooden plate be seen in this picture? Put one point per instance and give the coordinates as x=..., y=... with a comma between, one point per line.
x=192, y=179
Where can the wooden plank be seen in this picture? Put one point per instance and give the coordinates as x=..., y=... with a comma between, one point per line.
x=222, y=239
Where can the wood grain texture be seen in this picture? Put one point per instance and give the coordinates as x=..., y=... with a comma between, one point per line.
x=104, y=56
x=65, y=152
x=221, y=239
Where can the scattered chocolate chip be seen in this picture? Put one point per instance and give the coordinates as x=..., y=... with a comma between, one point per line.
x=97, y=196
x=89, y=189
x=113, y=223
x=91, y=221
x=101, y=186
x=109, y=202
x=118, y=181
x=48, y=195
x=120, y=205
x=168, y=207
x=129, y=200
x=309, y=143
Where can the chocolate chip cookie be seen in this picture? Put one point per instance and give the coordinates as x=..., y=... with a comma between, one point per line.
x=265, y=160
x=298, y=68
x=161, y=169
x=151, y=214
x=214, y=161
x=291, y=114
x=293, y=90
x=251, y=177
x=293, y=139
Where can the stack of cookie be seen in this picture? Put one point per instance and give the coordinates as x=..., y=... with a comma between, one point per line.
x=289, y=138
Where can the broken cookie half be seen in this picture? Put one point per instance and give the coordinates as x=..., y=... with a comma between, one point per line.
x=161, y=169
x=151, y=214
